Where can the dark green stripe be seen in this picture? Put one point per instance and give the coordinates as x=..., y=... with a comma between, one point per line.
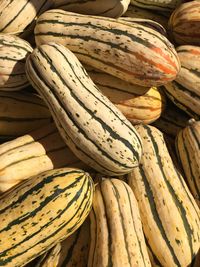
x=11, y=59
x=155, y=214
x=51, y=198
x=36, y=188
x=110, y=110
x=179, y=87
x=155, y=259
x=196, y=135
x=69, y=253
x=189, y=164
x=191, y=199
x=182, y=106
x=102, y=123
x=116, y=31
x=77, y=195
x=153, y=5
x=13, y=19
x=14, y=44
x=177, y=202
x=56, y=120
x=45, y=248
x=30, y=142
x=135, y=229
x=62, y=130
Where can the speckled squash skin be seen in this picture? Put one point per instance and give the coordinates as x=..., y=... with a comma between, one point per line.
x=95, y=130
x=129, y=51
x=41, y=212
x=170, y=216
x=187, y=148
x=14, y=51
x=117, y=238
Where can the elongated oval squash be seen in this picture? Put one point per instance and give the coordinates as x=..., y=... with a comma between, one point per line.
x=21, y=112
x=40, y=150
x=183, y=25
x=17, y=16
x=138, y=104
x=188, y=151
x=111, y=8
x=95, y=130
x=116, y=232
x=184, y=91
x=169, y=213
x=131, y=52
x=40, y=212
x=13, y=53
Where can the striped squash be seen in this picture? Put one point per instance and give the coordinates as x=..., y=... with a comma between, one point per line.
x=40, y=150
x=138, y=104
x=13, y=53
x=163, y=5
x=172, y=120
x=111, y=8
x=184, y=22
x=116, y=232
x=169, y=213
x=95, y=130
x=184, y=91
x=183, y=98
x=73, y=251
x=131, y=52
x=42, y=211
x=147, y=23
x=138, y=12
x=21, y=113
x=188, y=151
x=18, y=17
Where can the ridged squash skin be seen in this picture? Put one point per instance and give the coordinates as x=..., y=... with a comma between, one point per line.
x=13, y=51
x=169, y=213
x=95, y=130
x=123, y=49
x=116, y=232
x=18, y=16
x=73, y=251
x=183, y=24
x=172, y=120
x=147, y=23
x=42, y=211
x=184, y=91
x=188, y=151
x=142, y=13
x=21, y=112
x=40, y=150
x=138, y=104
x=164, y=5
x=111, y=8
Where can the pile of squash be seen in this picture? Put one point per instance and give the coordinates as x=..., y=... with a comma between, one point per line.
x=99, y=133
